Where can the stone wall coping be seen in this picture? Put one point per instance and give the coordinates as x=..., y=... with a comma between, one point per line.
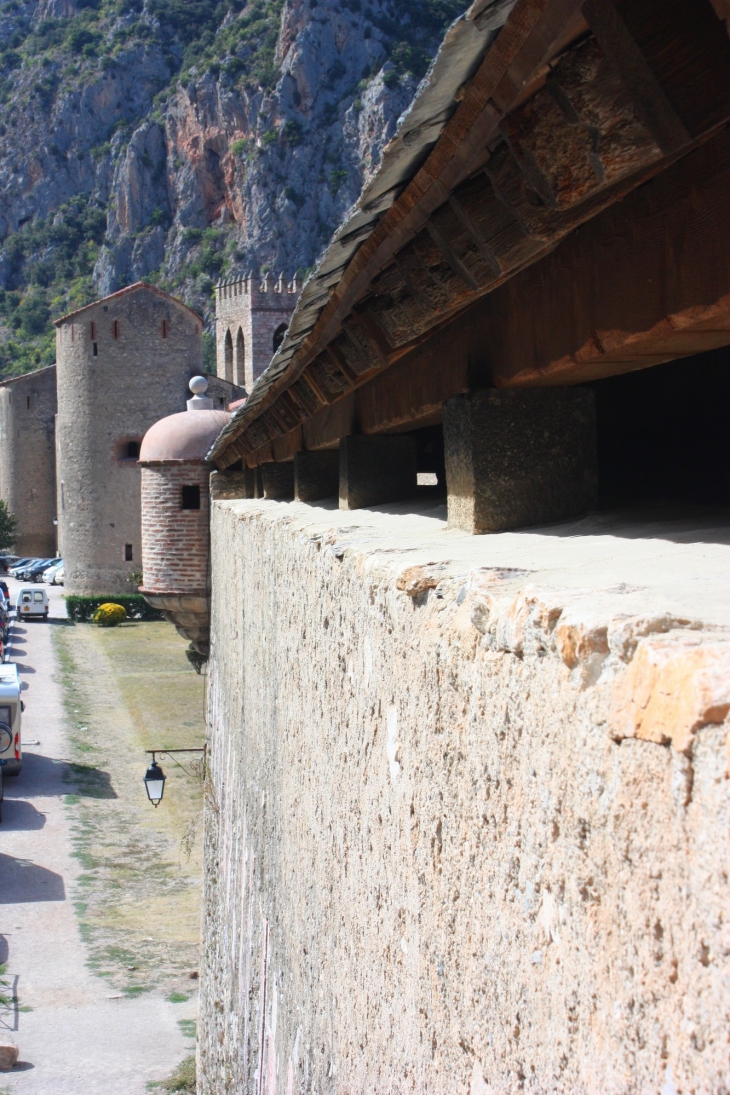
x=612, y=564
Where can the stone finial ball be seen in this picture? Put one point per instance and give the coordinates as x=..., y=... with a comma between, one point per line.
x=198, y=385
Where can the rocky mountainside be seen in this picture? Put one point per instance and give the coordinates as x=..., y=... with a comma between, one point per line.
x=182, y=140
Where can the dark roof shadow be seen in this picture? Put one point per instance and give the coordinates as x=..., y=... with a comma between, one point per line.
x=21, y=816
x=22, y=882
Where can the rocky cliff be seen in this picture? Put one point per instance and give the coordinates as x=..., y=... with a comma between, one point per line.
x=178, y=140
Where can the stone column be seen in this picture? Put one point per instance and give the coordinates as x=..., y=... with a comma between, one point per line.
x=228, y=484
x=316, y=475
x=278, y=481
x=375, y=470
x=519, y=457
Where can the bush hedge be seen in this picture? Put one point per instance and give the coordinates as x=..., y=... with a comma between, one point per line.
x=110, y=615
x=82, y=609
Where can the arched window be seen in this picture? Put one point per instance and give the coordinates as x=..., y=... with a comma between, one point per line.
x=239, y=374
x=279, y=336
x=228, y=357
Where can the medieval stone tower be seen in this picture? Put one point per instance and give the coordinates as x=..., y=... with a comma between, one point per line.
x=251, y=319
x=28, y=459
x=123, y=363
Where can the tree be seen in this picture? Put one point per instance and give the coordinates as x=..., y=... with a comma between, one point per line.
x=8, y=525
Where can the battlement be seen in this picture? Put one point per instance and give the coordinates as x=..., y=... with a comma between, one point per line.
x=252, y=316
x=249, y=286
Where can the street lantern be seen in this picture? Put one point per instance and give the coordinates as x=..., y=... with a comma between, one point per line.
x=154, y=778
x=154, y=782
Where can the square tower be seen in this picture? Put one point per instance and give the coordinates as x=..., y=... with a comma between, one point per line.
x=251, y=319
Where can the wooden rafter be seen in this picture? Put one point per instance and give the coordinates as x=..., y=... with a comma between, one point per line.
x=597, y=124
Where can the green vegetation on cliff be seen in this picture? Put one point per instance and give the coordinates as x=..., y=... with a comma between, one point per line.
x=73, y=91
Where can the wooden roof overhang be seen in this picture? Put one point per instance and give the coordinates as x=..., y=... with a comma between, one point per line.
x=573, y=106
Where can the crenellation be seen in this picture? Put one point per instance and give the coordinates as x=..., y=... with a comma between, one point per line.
x=251, y=319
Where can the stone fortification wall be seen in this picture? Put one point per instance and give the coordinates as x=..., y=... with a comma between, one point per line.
x=28, y=459
x=468, y=816
x=175, y=547
x=123, y=363
x=248, y=314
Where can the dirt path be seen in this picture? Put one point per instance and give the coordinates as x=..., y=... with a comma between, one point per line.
x=76, y=1033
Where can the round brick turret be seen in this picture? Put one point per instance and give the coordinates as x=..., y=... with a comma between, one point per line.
x=175, y=514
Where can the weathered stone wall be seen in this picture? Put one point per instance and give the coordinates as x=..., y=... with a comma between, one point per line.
x=28, y=459
x=175, y=544
x=257, y=312
x=468, y=817
x=139, y=374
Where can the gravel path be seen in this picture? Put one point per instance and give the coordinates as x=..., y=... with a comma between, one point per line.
x=75, y=1041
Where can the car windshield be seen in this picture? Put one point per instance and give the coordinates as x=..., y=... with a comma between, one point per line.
x=38, y=597
x=26, y=598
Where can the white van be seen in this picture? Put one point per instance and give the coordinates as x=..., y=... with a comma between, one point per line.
x=11, y=706
x=31, y=601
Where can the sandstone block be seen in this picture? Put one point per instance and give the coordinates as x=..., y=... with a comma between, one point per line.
x=316, y=475
x=278, y=481
x=376, y=470
x=672, y=688
x=8, y=1053
x=519, y=458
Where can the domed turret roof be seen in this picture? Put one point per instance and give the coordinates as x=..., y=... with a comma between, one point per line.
x=186, y=436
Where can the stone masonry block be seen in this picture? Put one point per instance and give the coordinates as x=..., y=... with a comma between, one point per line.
x=278, y=481
x=519, y=457
x=376, y=470
x=316, y=475
x=229, y=484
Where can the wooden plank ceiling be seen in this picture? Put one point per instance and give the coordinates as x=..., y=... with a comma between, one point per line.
x=574, y=106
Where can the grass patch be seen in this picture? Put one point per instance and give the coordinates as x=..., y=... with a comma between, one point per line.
x=182, y=1080
x=71, y=800
x=138, y=896
x=178, y=997
x=188, y=1027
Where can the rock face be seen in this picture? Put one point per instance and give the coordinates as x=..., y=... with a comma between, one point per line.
x=246, y=159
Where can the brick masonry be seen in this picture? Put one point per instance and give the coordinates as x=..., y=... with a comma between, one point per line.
x=28, y=459
x=123, y=363
x=175, y=550
x=248, y=315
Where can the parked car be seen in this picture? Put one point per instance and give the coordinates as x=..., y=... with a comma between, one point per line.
x=35, y=571
x=11, y=706
x=11, y=755
x=28, y=572
x=20, y=564
x=7, y=561
x=49, y=574
x=31, y=602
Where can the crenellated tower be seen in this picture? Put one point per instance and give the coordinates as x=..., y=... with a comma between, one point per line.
x=251, y=319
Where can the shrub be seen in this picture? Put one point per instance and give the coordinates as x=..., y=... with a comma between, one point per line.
x=82, y=609
x=8, y=524
x=109, y=615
